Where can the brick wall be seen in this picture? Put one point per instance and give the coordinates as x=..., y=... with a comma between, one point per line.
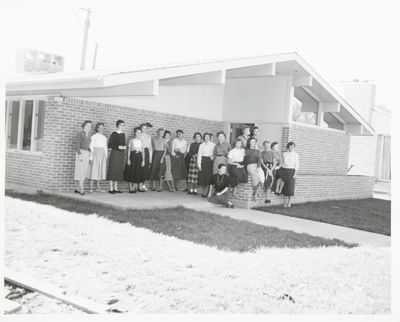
x=54, y=168
x=322, y=151
x=310, y=188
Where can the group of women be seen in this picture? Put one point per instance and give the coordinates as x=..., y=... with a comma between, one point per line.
x=203, y=163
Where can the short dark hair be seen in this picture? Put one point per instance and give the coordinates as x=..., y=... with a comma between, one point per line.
x=160, y=130
x=207, y=133
x=178, y=131
x=220, y=132
x=96, y=128
x=238, y=140
x=273, y=144
x=290, y=144
x=136, y=129
x=86, y=122
x=221, y=165
x=246, y=127
x=165, y=133
x=266, y=142
x=197, y=133
x=249, y=140
x=147, y=124
x=119, y=122
x=255, y=128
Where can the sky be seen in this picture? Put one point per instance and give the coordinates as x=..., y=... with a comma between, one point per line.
x=341, y=40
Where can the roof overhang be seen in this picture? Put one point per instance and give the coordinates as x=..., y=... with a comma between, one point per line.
x=144, y=81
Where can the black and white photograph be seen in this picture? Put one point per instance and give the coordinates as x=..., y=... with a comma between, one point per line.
x=205, y=160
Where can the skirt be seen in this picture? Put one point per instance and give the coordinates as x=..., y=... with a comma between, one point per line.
x=238, y=175
x=81, y=166
x=217, y=161
x=277, y=174
x=287, y=177
x=146, y=164
x=97, y=168
x=206, y=173
x=222, y=199
x=193, y=175
x=167, y=174
x=252, y=170
x=269, y=178
x=178, y=166
x=156, y=166
x=135, y=172
x=116, y=165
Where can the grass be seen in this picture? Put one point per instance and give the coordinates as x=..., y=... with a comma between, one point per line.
x=371, y=215
x=196, y=226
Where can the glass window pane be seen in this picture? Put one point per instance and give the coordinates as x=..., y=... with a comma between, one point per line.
x=40, y=126
x=13, y=116
x=26, y=136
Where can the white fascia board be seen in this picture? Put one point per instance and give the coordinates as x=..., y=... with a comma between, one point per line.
x=368, y=128
x=302, y=80
x=252, y=71
x=56, y=85
x=210, y=78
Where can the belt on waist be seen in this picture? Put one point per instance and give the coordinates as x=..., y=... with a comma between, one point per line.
x=220, y=155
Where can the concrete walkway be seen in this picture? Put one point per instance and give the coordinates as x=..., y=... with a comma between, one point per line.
x=363, y=238
x=151, y=200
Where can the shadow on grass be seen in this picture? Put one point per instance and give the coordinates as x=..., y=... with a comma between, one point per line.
x=196, y=226
x=369, y=214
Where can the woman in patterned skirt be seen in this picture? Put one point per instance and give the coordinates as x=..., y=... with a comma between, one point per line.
x=98, y=157
x=193, y=169
x=166, y=168
x=220, y=153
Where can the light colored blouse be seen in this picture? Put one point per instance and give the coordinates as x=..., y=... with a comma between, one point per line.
x=98, y=140
x=136, y=145
x=158, y=144
x=236, y=155
x=206, y=149
x=180, y=145
x=291, y=160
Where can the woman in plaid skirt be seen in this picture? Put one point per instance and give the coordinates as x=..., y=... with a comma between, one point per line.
x=193, y=169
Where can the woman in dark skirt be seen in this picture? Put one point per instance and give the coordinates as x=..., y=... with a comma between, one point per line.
x=290, y=166
x=136, y=174
x=158, y=145
x=237, y=171
x=205, y=163
x=165, y=167
x=193, y=174
x=178, y=166
x=117, y=145
x=220, y=153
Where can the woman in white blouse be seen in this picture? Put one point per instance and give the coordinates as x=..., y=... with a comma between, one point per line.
x=290, y=166
x=97, y=157
x=135, y=174
x=205, y=164
x=178, y=164
x=237, y=171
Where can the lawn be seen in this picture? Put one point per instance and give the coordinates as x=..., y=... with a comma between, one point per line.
x=196, y=226
x=140, y=271
x=365, y=214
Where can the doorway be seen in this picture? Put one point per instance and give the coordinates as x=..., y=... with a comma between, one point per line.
x=236, y=130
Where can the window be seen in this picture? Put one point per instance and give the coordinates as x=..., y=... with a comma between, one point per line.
x=25, y=124
x=304, y=107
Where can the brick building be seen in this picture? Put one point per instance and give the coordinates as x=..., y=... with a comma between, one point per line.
x=44, y=113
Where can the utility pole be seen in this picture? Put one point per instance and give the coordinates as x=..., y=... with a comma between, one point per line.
x=95, y=56
x=85, y=36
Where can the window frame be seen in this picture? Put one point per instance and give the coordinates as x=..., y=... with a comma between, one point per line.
x=21, y=117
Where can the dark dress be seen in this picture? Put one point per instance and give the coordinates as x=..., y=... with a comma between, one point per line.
x=157, y=169
x=193, y=173
x=117, y=156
